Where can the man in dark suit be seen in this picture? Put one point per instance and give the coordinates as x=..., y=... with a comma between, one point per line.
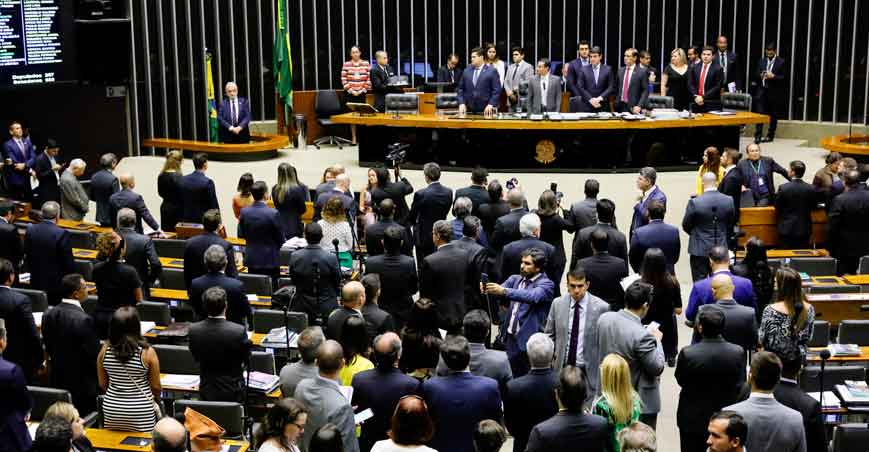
x=571, y=71
x=237, y=307
x=47, y=172
x=377, y=321
x=450, y=72
x=103, y=185
x=595, y=84
x=771, y=92
x=605, y=271
x=197, y=191
x=708, y=220
x=530, y=399
x=632, y=84
x=18, y=152
x=443, y=275
x=381, y=389
x=701, y=291
x=740, y=324
x=194, y=249
x=459, y=400
x=705, y=81
x=25, y=348
x=506, y=228
x=793, y=206
x=317, y=277
x=72, y=345
x=647, y=184
x=49, y=254
x=15, y=409
x=398, y=277
x=127, y=198
x=617, y=243
x=140, y=252
x=478, y=262
x=260, y=226
x=583, y=214
x=11, y=247
x=352, y=299
x=476, y=192
x=379, y=75
x=511, y=255
x=221, y=348
x=485, y=362
x=340, y=188
x=656, y=234
x=729, y=63
x=710, y=373
x=234, y=116
x=374, y=232
x=731, y=185
x=756, y=172
x=848, y=217
x=429, y=205
x=496, y=207
x=571, y=426
x=544, y=89
x=479, y=89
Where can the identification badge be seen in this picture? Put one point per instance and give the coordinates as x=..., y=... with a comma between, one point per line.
x=760, y=181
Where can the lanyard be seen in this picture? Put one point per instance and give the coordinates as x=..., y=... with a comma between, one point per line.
x=759, y=168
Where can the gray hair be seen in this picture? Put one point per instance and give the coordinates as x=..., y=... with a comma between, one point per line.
x=380, y=53
x=126, y=218
x=515, y=198
x=529, y=224
x=540, y=349
x=215, y=258
x=77, y=163
x=230, y=83
x=342, y=180
x=309, y=341
x=462, y=207
x=637, y=437
x=444, y=230
x=649, y=174
x=50, y=210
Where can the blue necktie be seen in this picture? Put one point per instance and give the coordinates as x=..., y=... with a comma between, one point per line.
x=476, y=74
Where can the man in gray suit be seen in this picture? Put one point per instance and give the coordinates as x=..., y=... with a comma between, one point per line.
x=73, y=198
x=544, y=89
x=572, y=325
x=740, y=323
x=517, y=73
x=494, y=364
x=293, y=373
x=140, y=251
x=707, y=219
x=623, y=333
x=773, y=427
x=326, y=404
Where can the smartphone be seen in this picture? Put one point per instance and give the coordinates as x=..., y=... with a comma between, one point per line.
x=653, y=325
x=363, y=416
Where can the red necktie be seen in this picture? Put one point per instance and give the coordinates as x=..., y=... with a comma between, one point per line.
x=625, y=85
x=700, y=90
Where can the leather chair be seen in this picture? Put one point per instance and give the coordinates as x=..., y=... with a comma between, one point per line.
x=262, y=361
x=84, y=268
x=658, y=101
x=850, y=437
x=844, y=288
x=814, y=266
x=176, y=359
x=820, y=334
x=863, y=267
x=38, y=299
x=172, y=248
x=154, y=311
x=833, y=375
x=854, y=332
x=43, y=398
x=256, y=284
x=736, y=101
x=172, y=278
x=402, y=103
x=447, y=103
x=81, y=239
x=327, y=105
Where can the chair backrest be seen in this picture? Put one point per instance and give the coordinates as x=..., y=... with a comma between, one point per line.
x=154, y=311
x=256, y=284
x=297, y=321
x=835, y=288
x=81, y=239
x=814, y=266
x=264, y=320
x=43, y=398
x=327, y=103
x=863, y=266
x=89, y=305
x=228, y=415
x=173, y=248
x=850, y=437
x=736, y=101
x=854, y=332
x=402, y=103
x=84, y=268
x=833, y=375
x=820, y=334
x=173, y=278
x=286, y=253
x=447, y=102
x=176, y=359
x=657, y=101
x=38, y=299
x=262, y=361
x=284, y=281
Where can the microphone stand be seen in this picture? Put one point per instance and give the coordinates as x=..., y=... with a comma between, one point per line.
x=317, y=292
x=824, y=355
x=248, y=420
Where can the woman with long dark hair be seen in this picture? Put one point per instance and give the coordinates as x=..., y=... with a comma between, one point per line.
x=553, y=226
x=420, y=341
x=711, y=164
x=168, y=183
x=118, y=284
x=289, y=196
x=787, y=324
x=666, y=300
x=283, y=426
x=355, y=342
x=395, y=190
x=755, y=267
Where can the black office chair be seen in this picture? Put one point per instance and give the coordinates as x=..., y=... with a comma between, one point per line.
x=38, y=299
x=285, y=281
x=264, y=362
x=297, y=321
x=810, y=380
x=81, y=239
x=89, y=305
x=854, y=332
x=264, y=320
x=736, y=101
x=820, y=334
x=407, y=104
x=850, y=437
x=327, y=105
x=863, y=266
x=256, y=284
x=172, y=278
x=447, y=103
x=176, y=359
x=658, y=101
x=154, y=311
x=43, y=398
x=228, y=415
x=814, y=266
x=84, y=268
x=285, y=255
x=172, y=248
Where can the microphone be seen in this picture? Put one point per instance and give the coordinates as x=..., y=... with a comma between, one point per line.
x=335, y=244
x=824, y=355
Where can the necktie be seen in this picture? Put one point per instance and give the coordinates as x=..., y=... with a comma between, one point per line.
x=476, y=74
x=452, y=77
x=234, y=112
x=514, y=309
x=574, y=336
x=596, y=72
x=515, y=70
x=723, y=60
x=625, y=84
x=768, y=69
x=700, y=90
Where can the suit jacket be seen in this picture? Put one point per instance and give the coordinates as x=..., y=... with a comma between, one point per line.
x=398, y=282
x=142, y=255
x=11, y=246
x=237, y=307
x=224, y=114
x=792, y=396
x=605, y=273
x=127, y=198
x=582, y=214
x=48, y=189
x=656, y=234
x=74, y=202
x=589, y=89
x=710, y=373
x=638, y=87
x=515, y=74
x=291, y=210
x=641, y=208
x=478, y=263
x=530, y=316
x=197, y=196
x=347, y=202
x=712, y=84
x=326, y=405
x=776, y=87
x=731, y=185
x=574, y=68
x=487, y=91
x=708, y=220
x=478, y=196
x=507, y=230
x=396, y=191
x=103, y=185
x=553, y=94
x=222, y=349
x=618, y=245
x=556, y=328
x=429, y=205
x=848, y=218
x=740, y=324
x=457, y=402
x=15, y=408
x=335, y=322
x=793, y=206
x=260, y=226
x=701, y=293
x=380, y=390
x=302, y=267
x=511, y=257
x=447, y=75
x=489, y=214
x=24, y=346
x=443, y=275
x=769, y=166
x=194, y=253
x=292, y=374
x=774, y=427
x=529, y=400
x=12, y=152
x=71, y=343
x=379, y=77
x=485, y=363
x=49, y=255
x=732, y=71
x=374, y=235
x=562, y=432
x=377, y=321
x=622, y=333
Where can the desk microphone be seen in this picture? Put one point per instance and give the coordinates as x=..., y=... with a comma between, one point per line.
x=824, y=355
x=335, y=244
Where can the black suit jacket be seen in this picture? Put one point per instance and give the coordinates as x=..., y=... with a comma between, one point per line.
x=618, y=244
x=398, y=283
x=506, y=229
x=379, y=77
x=291, y=210
x=638, y=86
x=302, y=265
x=197, y=196
x=430, y=204
x=451, y=76
x=49, y=256
x=712, y=84
x=605, y=273
x=793, y=206
x=15, y=408
x=237, y=307
x=776, y=87
x=731, y=186
x=396, y=191
x=222, y=349
x=511, y=257
x=129, y=199
x=24, y=346
x=379, y=390
x=71, y=342
x=740, y=324
x=48, y=189
x=194, y=252
x=478, y=196
x=792, y=396
x=769, y=166
x=848, y=217
x=374, y=235
x=260, y=226
x=562, y=432
x=377, y=321
x=335, y=322
x=103, y=185
x=11, y=247
x=604, y=87
x=733, y=71
x=347, y=202
x=478, y=263
x=142, y=255
x=443, y=276
x=711, y=373
x=528, y=401
x=489, y=214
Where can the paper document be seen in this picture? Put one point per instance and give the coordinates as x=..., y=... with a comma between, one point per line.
x=180, y=381
x=252, y=297
x=37, y=319
x=831, y=400
x=628, y=280
x=347, y=391
x=147, y=326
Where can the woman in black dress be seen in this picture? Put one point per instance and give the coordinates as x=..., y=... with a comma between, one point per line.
x=754, y=266
x=674, y=81
x=167, y=187
x=396, y=191
x=118, y=284
x=552, y=228
x=666, y=300
x=289, y=196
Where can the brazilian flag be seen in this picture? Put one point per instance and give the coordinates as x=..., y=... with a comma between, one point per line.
x=213, y=126
x=282, y=63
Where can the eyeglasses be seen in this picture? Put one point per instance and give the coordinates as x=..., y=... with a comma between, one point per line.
x=298, y=426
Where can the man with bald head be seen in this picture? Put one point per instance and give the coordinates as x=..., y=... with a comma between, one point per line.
x=740, y=324
x=73, y=197
x=324, y=399
x=381, y=388
x=169, y=436
x=352, y=299
x=127, y=198
x=709, y=220
x=342, y=189
x=234, y=117
x=48, y=253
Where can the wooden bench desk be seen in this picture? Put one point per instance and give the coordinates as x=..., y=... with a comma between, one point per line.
x=761, y=222
x=781, y=254
x=836, y=307
x=276, y=394
x=864, y=356
x=158, y=293
x=103, y=439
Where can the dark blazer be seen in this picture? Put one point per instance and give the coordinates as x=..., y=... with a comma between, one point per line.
x=449, y=75
x=377, y=321
x=335, y=322
x=103, y=185
x=443, y=275
x=379, y=77
x=489, y=214
x=848, y=217
x=260, y=226
x=374, y=235
x=396, y=191
x=733, y=71
x=48, y=189
x=11, y=247
x=129, y=199
x=379, y=390
x=398, y=283
x=793, y=206
x=222, y=349
x=534, y=303
x=740, y=324
x=24, y=346
x=506, y=229
x=656, y=234
x=478, y=263
x=15, y=408
x=638, y=87
x=792, y=396
x=194, y=252
x=487, y=91
x=731, y=185
x=776, y=87
x=712, y=84
x=49, y=256
x=237, y=307
x=529, y=400
x=304, y=264
x=291, y=210
x=197, y=196
x=562, y=432
x=641, y=208
x=708, y=220
x=142, y=255
x=511, y=257
x=588, y=89
x=226, y=120
x=574, y=68
x=478, y=196
x=347, y=202
x=12, y=152
x=710, y=373
x=71, y=343
x=769, y=166
x=430, y=204
x=617, y=246
x=169, y=189
x=605, y=273
x=457, y=403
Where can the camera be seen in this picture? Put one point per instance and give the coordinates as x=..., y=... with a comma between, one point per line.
x=554, y=187
x=512, y=183
x=396, y=154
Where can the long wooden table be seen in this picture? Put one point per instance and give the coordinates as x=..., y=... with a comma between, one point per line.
x=762, y=222
x=275, y=395
x=159, y=293
x=864, y=356
x=836, y=307
x=780, y=254
x=261, y=146
x=103, y=439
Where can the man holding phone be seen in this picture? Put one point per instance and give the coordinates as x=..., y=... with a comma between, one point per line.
x=47, y=172
x=18, y=151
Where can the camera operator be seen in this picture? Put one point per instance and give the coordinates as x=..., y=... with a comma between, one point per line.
x=396, y=191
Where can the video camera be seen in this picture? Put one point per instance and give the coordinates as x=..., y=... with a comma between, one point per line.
x=396, y=154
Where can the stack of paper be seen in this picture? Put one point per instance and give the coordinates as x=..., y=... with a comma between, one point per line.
x=831, y=400
x=263, y=382
x=854, y=393
x=37, y=319
x=190, y=382
x=844, y=349
x=146, y=326
x=277, y=338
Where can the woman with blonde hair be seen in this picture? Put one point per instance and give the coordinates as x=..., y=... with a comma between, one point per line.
x=619, y=404
x=168, y=183
x=335, y=226
x=66, y=411
x=711, y=164
x=787, y=324
x=674, y=80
